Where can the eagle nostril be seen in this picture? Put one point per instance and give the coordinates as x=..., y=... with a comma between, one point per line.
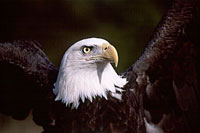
x=106, y=48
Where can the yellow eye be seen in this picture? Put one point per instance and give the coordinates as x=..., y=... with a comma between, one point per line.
x=86, y=50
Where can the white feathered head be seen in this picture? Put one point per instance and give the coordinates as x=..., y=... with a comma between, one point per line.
x=85, y=72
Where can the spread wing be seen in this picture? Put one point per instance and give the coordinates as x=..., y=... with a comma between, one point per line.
x=25, y=79
x=167, y=74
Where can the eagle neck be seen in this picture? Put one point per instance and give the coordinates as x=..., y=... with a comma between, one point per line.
x=86, y=82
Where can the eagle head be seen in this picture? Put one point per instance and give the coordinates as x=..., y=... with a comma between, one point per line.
x=85, y=72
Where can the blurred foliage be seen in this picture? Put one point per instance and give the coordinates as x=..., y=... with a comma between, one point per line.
x=56, y=24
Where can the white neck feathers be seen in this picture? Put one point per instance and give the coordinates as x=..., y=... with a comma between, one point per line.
x=74, y=84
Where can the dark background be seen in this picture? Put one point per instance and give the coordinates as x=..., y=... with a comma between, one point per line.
x=56, y=24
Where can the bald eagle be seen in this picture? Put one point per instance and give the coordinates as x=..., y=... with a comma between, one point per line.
x=160, y=90
x=91, y=91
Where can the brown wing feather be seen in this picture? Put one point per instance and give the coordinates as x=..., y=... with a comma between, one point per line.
x=167, y=72
x=26, y=76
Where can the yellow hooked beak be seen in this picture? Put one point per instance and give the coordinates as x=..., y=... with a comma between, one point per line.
x=110, y=53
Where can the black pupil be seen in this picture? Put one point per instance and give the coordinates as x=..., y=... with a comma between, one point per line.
x=86, y=49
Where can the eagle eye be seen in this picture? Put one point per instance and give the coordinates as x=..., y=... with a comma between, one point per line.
x=87, y=50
